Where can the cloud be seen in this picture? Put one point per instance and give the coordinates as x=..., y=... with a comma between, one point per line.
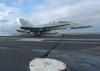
x=16, y=2
x=6, y=13
x=75, y=11
x=79, y=11
x=61, y=3
x=14, y=24
x=21, y=2
x=5, y=8
x=37, y=11
x=3, y=20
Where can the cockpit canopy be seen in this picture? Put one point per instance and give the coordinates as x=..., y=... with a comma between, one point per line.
x=61, y=22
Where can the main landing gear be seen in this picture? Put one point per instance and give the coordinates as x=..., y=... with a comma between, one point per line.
x=35, y=34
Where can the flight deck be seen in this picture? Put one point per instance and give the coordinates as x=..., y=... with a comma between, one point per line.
x=80, y=53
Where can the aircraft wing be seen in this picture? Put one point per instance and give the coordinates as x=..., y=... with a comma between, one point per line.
x=57, y=25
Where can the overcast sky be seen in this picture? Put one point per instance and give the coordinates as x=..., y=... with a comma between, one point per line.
x=42, y=11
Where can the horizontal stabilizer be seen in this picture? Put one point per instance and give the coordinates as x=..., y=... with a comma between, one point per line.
x=23, y=31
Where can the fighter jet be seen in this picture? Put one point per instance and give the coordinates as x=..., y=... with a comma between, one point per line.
x=38, y=30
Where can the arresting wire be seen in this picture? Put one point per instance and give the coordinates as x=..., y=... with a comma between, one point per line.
x=46, y=54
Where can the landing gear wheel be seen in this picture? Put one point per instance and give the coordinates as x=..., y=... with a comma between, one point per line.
x=61, y=35
x=39, y=35
x=34, y=35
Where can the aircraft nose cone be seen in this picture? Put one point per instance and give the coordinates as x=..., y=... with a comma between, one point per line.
x=90, y=25
x=86, y=26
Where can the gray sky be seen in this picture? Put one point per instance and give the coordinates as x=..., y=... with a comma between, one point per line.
x=42, y=11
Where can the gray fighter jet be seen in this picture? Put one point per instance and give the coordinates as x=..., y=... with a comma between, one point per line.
x=37, y=30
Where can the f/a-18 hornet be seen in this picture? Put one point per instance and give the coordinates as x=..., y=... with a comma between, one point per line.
x=37, y=30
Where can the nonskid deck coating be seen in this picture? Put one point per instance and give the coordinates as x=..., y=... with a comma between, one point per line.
x=15, y=54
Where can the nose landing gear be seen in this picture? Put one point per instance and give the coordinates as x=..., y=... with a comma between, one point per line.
x=61, y=34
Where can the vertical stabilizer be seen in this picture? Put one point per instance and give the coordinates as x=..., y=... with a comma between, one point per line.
x=25, y=23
